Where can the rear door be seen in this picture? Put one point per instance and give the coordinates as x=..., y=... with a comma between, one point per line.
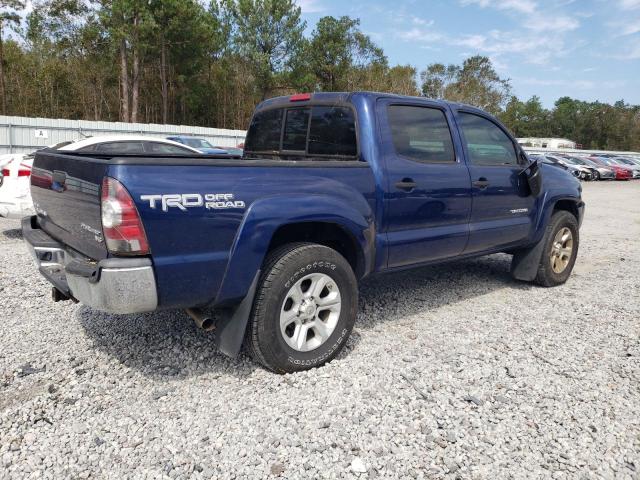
x=503, y=209
x=427, y=197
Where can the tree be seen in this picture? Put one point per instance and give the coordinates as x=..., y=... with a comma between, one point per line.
x=268, y=34
x=338, y=55
x=184, y=33
x=475, y=82
x=437, y=78
x=527, y=119
x=8, y=16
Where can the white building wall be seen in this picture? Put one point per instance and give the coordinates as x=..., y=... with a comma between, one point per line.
x=24, y=134
x=547, y=142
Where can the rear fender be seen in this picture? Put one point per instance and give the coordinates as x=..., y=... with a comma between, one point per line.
x=265, y=216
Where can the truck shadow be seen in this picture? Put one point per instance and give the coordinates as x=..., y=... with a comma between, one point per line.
x=168, y=344
x=11, y=234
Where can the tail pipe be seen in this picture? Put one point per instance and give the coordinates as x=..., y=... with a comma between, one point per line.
x=202, y=320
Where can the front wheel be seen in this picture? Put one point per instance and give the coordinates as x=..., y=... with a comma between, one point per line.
x=560, y=250
x=305, y=308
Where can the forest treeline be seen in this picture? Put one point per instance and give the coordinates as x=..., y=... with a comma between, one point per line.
x=202, y=63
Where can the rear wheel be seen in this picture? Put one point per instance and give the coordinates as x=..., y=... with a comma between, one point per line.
x=596, y=175
x=304, y=310
x=560, y=250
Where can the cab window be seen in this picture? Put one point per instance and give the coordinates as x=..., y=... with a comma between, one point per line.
x=421, y=134
x=487, y=144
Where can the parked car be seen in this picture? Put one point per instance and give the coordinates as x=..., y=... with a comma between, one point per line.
x=629, y=163
x=333, y=187
x=622, y=172
x=200, y=144
x=581, y=173
x=127, y=145
x=235, y=151
x=15, y=196
x=598, y=172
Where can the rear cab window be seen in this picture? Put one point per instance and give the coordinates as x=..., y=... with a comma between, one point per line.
x=316, y=132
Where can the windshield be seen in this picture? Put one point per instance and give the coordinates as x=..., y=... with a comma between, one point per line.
x=624, y=161
x=587, y=162
x=573, y=161
x=197, y=143
x=614, y=161
x=61, y=144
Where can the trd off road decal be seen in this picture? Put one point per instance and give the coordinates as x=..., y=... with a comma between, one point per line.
x=211, y=201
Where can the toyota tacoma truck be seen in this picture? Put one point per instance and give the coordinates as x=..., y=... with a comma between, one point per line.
x=267, y=249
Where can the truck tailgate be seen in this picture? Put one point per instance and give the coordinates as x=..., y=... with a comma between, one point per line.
x=66, y=196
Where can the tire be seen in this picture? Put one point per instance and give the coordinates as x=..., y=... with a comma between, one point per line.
x=596, y=175
x=304, y=310
x=555, y=270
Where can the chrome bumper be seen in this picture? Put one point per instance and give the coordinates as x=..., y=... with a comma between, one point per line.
x=114, y=285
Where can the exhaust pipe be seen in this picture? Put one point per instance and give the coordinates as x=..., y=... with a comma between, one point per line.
x=203, y=321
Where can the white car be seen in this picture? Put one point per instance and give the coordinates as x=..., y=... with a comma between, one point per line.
x=15, y=179
x=15, y=195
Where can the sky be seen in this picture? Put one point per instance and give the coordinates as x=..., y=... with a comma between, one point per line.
x=585, y=49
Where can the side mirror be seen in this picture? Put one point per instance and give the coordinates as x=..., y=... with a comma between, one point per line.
x=533, y=174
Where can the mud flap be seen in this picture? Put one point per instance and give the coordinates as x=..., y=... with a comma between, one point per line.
x=525, y=263
x=232, y=326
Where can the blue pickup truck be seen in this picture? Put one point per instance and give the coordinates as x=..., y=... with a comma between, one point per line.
x=267, y=249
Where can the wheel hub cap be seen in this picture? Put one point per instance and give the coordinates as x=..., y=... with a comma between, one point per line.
x=561, y=250
x=310, y=312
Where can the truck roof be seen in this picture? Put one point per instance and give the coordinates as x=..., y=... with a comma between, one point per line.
x=345, y=97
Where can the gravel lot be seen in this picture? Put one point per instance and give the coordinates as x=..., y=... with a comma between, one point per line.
x=452, y=372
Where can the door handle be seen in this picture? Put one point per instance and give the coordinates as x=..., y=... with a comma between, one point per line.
x=406, y=184
x=481, y=183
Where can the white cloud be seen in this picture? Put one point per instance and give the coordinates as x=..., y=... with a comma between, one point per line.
x=545, y=23
x=311, y=6
x=570, y=83
x=630, y=51
x=626, y=27
x=629, y=4
x=521, y=6
x=421, y=35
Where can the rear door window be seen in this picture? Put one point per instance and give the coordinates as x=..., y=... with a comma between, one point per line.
x=421, y=134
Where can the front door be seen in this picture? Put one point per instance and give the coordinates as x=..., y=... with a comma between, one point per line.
x=427, y=196
x=503, y=210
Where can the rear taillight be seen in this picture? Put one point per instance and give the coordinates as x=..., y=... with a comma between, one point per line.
x=24, y=173
x=5, y=172
x=121, y=224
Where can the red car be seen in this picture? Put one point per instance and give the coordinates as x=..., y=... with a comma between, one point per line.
x=622, y=173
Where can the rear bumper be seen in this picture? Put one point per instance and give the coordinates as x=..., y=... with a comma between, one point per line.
x=114, y=285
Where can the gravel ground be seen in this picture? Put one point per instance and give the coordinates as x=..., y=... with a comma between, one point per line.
x=452, y=372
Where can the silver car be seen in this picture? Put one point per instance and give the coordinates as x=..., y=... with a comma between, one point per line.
x=600, y=172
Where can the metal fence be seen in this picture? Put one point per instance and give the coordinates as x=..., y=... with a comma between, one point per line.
x=24, y=134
